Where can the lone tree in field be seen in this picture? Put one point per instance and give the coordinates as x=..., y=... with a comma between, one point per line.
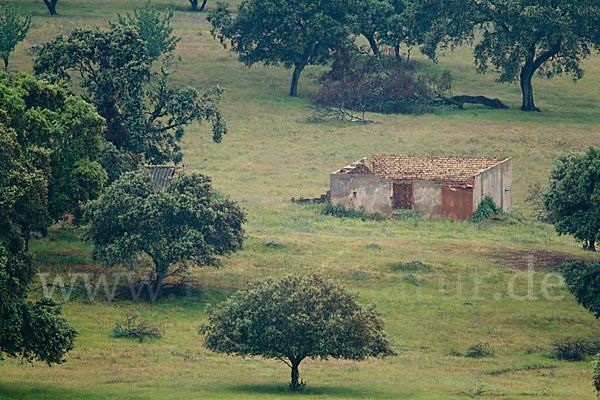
x=186, y=222
x=522, y=37
x=294, y=319
x=573, y=196
x=13, y=29
x=51, y=4
x=295, y=33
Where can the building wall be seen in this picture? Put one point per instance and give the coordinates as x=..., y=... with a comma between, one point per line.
x=457, y=203
x=495, y=182
x=370, y=192
x=427, y=198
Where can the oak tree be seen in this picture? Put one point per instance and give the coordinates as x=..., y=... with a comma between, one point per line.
x=521, y=37
x=186, y=222
x=573, y=196
x=30, y=330
x=295, y=33
x=293, y=319
x=13, y=29
x=124, y=71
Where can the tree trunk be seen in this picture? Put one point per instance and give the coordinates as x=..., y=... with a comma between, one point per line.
x=591, y=245
x=397, y=53
x=371, y=38
x=5, y=59
x=295, y=384
x=295, y=78
x=203, y=5
x=527, y=88
x=51, y=4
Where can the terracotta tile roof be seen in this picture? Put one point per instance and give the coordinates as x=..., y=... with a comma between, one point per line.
x=454, y=169
x=162, y=175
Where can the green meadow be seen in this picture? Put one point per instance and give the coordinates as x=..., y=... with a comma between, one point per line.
x=473, y=292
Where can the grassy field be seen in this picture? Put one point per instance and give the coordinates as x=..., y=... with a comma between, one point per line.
x=273, y=153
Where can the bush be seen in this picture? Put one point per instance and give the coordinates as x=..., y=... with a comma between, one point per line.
x=487, y=209
x=411, y=266
x=132, y=328
x=360, y=83
x=342, y=212
x=569, y=349
x=480, y=350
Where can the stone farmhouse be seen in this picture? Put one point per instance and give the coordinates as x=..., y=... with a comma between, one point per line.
x=432, y=186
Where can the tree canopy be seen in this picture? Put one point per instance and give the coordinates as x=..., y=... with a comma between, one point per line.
x=573, y=196
x=188, y=221
x=296, y=318
x=521, y=37
x=13, y=29
x=66, y=129
x=144, y=115
x=295, y=33
x=33, y=331
x=583, y=280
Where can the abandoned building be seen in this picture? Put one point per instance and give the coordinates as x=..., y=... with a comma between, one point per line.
x=432, y=186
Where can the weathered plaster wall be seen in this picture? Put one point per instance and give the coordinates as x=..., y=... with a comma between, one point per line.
x=495, y=182
x=427, y=198
x=370, y=192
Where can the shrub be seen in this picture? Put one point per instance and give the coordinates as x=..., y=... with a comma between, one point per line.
x=364, y=84
x=131, y=327
x=480, y=350
x=569, y=349
x=410, y=266
x=487, y=209
x=342, y=212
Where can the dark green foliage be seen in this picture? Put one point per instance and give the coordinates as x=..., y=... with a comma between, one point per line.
x=569, y=349
x=132, y=327
x=293, y=319
x=583, y=280
x=411, y=266
x=342, y=212
x=63, y=135
x=33, y=331
x=295, y=33
x=486, y=210
x=521, y=37
x=125, y=72
x=573, y=196
x=13, y=29
x=153, y=28
x=187, y=222
x=364, y=84
x=480, y=350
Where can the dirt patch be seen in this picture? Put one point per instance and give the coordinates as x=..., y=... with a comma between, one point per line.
x=537, y=259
